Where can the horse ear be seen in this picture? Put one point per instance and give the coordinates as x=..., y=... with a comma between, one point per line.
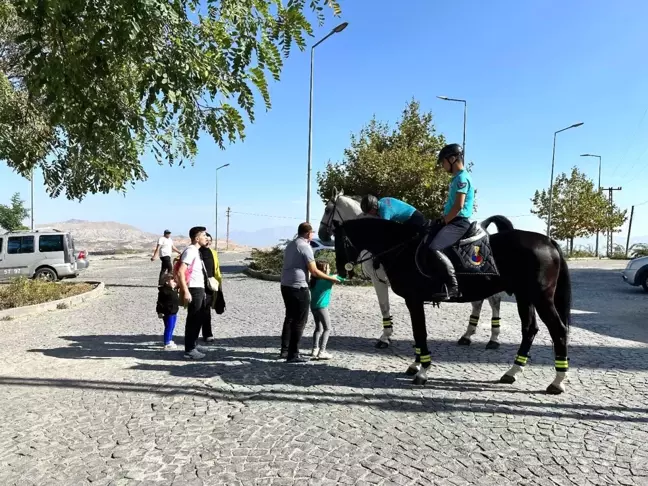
x=335, y=193
x=341, y=192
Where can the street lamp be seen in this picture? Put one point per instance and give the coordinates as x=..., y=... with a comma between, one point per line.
x=599, y=188
x=553, y=159
x=31, y=211
x=464, y=119
x=335, y=30
x=216, y=216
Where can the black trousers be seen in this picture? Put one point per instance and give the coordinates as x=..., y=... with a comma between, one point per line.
x=297, y=302
x=206, y=325
x=166, y=267
x=195, y=317
x=417, y=219
x=449, y=234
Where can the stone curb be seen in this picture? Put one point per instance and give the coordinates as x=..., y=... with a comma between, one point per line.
x=260, y=275
x=53, y=305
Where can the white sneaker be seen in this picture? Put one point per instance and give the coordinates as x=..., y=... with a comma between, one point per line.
x=194, y=354
x=171, y=346
x=324, y=355
x=314, y=353
x=210, y=339
x=203, y=349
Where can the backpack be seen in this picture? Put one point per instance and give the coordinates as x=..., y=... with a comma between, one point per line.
x=176, y=268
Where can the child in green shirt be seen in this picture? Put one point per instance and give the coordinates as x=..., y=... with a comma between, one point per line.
x=320, y=299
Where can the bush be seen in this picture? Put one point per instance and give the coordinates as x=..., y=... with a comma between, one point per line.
x=271, y=262
x=639, y=250
x=23, y=291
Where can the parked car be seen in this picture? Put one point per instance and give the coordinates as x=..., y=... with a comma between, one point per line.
x=316, y=244
x=48, y=255
x=636, y=272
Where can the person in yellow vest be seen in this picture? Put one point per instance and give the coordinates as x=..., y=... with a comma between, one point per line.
x=212, y=270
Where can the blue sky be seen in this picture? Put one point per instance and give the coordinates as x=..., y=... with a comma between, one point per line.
x=527, y=69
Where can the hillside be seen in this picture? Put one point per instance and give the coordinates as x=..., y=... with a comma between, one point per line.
x=109, y=236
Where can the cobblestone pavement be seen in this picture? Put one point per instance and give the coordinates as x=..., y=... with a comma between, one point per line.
x=87, y=396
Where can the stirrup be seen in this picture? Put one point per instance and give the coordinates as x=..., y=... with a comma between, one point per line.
x=447, y=295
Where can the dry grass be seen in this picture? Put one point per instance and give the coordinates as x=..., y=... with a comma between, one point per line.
x=22, y=292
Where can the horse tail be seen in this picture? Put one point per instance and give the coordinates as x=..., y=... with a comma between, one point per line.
x=502, y=223
x=563, y=294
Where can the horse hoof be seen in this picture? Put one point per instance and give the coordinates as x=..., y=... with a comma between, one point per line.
x=382, y=345
x=508, y=379
x=463, y=341
x=554, y=390
x=413, y=369
x=419, y=381
x=492, y=345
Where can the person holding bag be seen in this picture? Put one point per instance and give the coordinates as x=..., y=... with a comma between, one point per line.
x=213, y=282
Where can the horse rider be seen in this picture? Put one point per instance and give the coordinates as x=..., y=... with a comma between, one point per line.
x=393, y=209
x=456, y=213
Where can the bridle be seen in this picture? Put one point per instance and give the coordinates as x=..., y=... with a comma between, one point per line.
x=330, y=223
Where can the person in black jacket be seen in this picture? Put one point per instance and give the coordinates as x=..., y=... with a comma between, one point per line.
x=167, y=307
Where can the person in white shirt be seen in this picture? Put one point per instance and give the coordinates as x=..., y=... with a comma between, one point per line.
x=191, y=281
x=165, y=249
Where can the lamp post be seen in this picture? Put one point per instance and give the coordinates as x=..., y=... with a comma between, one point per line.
x=216, y=216
x=599, y=188
x=31, y=211
x=465, y=103
x=335, y=30
x=553, y=160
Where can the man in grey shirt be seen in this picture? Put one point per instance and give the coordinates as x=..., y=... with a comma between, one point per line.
x=299, y=262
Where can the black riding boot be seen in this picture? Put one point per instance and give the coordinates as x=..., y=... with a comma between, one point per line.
x=451, y=285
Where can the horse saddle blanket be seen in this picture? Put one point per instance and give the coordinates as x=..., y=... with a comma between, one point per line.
x=472, y=255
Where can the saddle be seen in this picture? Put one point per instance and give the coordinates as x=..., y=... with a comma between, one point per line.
x=470, y=256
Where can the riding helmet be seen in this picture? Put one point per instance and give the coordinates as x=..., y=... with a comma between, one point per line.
x=453, y=149
x=368, y=203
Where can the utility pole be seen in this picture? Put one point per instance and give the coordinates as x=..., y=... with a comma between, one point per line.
x=31, y=211
x=229, y=211
x=629, y=230
x=610, y=243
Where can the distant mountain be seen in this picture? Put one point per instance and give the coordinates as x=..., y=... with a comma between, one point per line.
x=107, y=236
x=263, y=237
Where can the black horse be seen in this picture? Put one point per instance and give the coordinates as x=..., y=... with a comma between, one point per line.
x=531, y=267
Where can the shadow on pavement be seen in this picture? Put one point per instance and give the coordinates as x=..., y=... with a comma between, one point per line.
x=385, y=401
x=148, y=347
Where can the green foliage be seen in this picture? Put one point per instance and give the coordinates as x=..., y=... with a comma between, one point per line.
x=638, y=250
x=13, y=215
x=398, y=162
x=267, y=261
x=87, y=88
x=579, y=210
x=581, y=252
x=23, y=291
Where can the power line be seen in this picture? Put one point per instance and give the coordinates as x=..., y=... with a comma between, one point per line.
x=264, y=215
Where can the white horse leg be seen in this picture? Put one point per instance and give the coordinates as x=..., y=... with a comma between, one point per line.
x=472, y=323
x=495, y=302
x=382, y=293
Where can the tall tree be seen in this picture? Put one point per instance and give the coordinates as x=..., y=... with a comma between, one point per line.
x=578, y=209
x=13, y=215
x=398, y=162
x=87, y=88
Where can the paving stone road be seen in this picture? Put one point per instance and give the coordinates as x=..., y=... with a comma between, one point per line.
x=87, y=396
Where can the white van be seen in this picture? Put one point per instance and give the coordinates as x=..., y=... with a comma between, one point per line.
x=48, y=255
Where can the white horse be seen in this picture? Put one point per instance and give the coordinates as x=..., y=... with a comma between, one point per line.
x=341, y=208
